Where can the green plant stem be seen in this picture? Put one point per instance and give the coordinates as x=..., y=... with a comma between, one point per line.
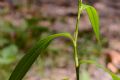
x=77, y=65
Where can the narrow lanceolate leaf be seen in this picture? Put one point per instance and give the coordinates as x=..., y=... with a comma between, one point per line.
x=27, y=61
x=114, y=77
x=94, y=19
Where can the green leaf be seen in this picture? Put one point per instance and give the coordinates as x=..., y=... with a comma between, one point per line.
x=8, y=54
x=94, y=19
x=84, y=75
x=114, y=77
x=27, y=61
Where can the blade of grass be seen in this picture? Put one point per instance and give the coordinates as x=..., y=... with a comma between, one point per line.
x=114, y=77
x=27, y=61
x=94, y=19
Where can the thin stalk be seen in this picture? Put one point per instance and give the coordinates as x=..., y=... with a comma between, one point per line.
x=77, y=65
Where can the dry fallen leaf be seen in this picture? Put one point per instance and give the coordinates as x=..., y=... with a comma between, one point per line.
x=112, y=67
x=114, y=57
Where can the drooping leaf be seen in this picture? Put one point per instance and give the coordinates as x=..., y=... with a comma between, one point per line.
x=27, y=61
x=94, y=19
x=114, y=77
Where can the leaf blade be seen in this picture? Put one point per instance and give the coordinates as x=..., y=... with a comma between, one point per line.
x=27, y=61
x=94, y=19
x=114, y=77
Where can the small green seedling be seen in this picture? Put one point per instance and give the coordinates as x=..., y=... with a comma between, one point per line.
x=27, y=61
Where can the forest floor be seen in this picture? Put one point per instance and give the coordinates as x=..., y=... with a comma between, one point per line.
x=61, y=17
